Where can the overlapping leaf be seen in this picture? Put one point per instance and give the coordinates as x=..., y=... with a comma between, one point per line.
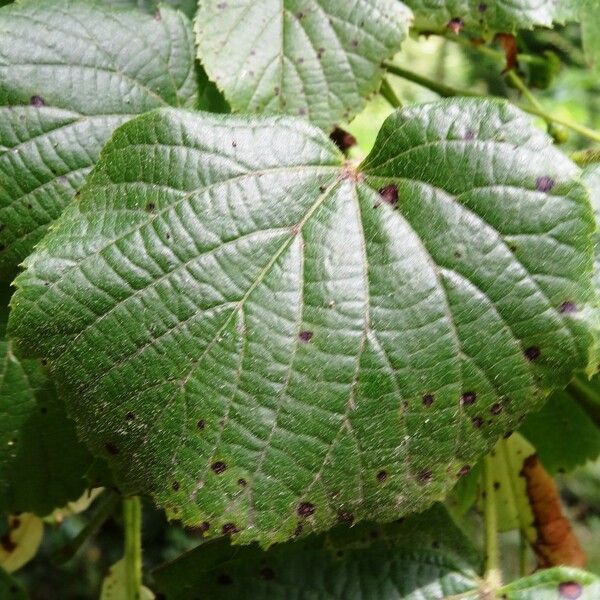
x=71, y=71
x=492, y=15
x=425, y=558
x=316, y=58
x=265, y=337
x=42, y=464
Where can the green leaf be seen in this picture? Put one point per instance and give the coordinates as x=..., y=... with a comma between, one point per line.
x=186, y=6
x=70, y=73
x=320, y=59
x=591, y=178
x=425, y=558
x=491, y=15
x=10, y=588
x=562, y=432
x=590, y=31
x=257, y=337
x=114, y=586
x=552, y=584
x=42, y=464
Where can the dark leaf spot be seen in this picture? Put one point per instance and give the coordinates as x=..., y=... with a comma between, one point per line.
x=342, y=139
x=15, y=522
x=382, y=475
x=496, y=485
x=568, y=306
x=389, y=193
x=222, y=5
x=234, y=144
x=345, y=517
x=570, y=589
x=37, y=101
x=482, y=7
x=224, y=579
x=242, y=482
x=464, y=470
x=201, y=424
x=468, y=398
x=544, y=184
x=496, y=408
x=7, y=544
x=305, y=336
x=305, y=509
x=455, y=25
x=354, y=43
x=532, y=353
x=267, y=574
x=424, y=476
x=130, y=416
x=301, y=111
x=218, y=467
x=111, y=448
x=175, y=486
x=229, y=528
x=428, y=399
x=477, y=422
x=150, y=207
x=300, y=16
x=435, y=544
x=469, y=134
x=298, y=530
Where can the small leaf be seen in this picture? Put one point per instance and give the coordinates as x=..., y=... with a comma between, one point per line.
x=21, y=541
x=262, y=335
x=70, y=73
x=425, y=558
x=319, y=59
x=492, y=15
x=114, y=586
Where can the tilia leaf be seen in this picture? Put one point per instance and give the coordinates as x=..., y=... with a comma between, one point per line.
x=71, y=71
x=319, y=59
x=264, y=336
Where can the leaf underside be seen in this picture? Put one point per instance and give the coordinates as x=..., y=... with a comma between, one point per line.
x=70, y=73
x=255, y=335
x=319, y=59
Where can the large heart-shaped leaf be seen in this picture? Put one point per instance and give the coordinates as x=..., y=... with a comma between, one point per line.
x=317, y=58
x=265, y=337
x=42, y=464
x=492, y=15
x=70, y=73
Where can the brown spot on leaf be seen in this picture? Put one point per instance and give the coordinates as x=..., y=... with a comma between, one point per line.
x=428, y=399
x=37, y=101
x=509, y=45
x=477, y=422
x=468, y=398
x=482, y=7
x=389, y=193
x=464, y=470
x=567, y=307
x=305, y=509
x=469, y=135
x=201, y=424
x=218, y=467
x=229, y=528
x=532, y=353
x=150, y=207
x=382, y=475
x=455, y=25
x=242, y=482
x=298, y=530
x=424, y=476
x=175, y=485
x=130, y=416
x=305, y=336
x=7, y=544
x=496, y=409
x=544, y=184
x=342, y=139
x=346, y=517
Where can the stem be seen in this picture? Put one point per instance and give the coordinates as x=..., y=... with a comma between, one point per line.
x=447, y=91
x=132, y=520
x=492, y=571
x=523, y=546
x=106, y=507
x=586, y=157
x=520, y=85
x=389, y=94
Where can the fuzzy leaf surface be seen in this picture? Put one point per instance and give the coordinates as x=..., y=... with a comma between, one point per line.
x=263, y=336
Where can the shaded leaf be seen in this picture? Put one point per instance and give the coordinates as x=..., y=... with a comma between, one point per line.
x=42, y=464
x=320, y=59
x=262, y=336
x=424, y=558
x=70, y=73
x=10, y=588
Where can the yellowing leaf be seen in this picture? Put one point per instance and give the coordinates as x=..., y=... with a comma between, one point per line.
x=113, y=586
x=21, y=542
